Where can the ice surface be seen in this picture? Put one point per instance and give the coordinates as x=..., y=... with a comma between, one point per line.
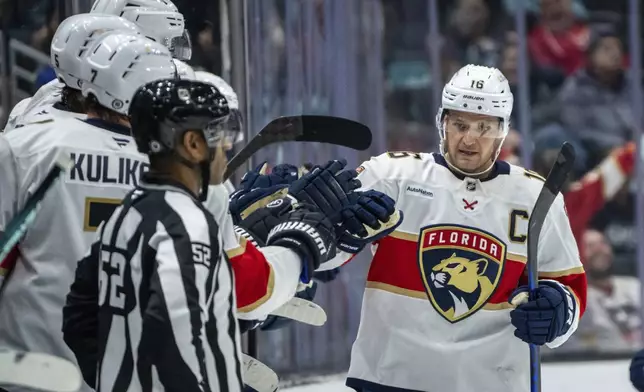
x=595, y=376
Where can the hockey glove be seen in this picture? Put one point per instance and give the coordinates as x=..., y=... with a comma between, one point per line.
x=370, y=217
x=547, y=317
x=310, y=234
x=259, y=223
x=637, y=371
x=326, y=188
x=257, y=189
x=326, y=276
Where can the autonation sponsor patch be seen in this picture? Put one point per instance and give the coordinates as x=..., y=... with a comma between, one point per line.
x=418, y=191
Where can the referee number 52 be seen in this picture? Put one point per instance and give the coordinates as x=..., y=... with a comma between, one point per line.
x=111, y=284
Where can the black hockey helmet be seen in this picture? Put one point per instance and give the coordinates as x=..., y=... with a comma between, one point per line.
x=161, y=111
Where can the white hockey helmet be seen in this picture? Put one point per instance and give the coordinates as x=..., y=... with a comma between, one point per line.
x=184, y=70
x=119, y=64
x=479, y=90
x=159, y=20
x=235, y=119
x=75, y=36
x=223, y=87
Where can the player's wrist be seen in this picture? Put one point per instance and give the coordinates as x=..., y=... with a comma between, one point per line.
x=309, y=260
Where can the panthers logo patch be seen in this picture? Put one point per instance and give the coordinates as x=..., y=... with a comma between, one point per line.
x=460, y=266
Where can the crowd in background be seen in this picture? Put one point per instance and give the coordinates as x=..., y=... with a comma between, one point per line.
x=580, y=89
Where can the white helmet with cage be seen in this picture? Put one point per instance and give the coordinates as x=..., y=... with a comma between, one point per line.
x=75, y=36
x=479, y=90
x=159, y=20
x=235, y=119
x=119, y=64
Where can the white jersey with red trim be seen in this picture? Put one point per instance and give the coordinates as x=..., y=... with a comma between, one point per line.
x=265, y=278
x=435, y=315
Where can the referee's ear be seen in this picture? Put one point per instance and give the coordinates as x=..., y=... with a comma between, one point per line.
x=194, y=146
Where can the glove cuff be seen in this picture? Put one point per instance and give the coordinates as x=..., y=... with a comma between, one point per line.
x=242, y=232
x=569, y=300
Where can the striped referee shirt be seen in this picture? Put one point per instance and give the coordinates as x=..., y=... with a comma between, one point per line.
x=165, y=299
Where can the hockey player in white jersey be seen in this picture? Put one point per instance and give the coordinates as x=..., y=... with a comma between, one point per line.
x=158, y=20
x=106, y=166
x=62, y=97
x=444, y=307
x=235, y=118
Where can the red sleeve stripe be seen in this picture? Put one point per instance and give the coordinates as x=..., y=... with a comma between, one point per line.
x=268, y=293
x=238, y=250
x=254, y=277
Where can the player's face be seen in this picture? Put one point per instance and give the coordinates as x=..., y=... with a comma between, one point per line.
x=218, y=166
x=472, y=140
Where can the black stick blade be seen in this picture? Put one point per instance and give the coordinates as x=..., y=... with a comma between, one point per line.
x=306, y=128
x=335, y=130
x=559, y=171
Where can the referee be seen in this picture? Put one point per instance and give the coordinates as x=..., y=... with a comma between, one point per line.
x=162, y=317
x=165, y=306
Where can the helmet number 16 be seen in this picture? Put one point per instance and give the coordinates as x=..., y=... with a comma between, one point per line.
x=477, y=84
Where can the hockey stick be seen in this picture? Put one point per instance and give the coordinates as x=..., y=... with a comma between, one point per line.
x=258, y=377
x=18, y=226
x=551, y=188
x=305, y=128
x=301, y=310
x=40, y=371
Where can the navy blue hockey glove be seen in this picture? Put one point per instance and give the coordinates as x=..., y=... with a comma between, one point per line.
x=326, y=276
x=637, y=371
x=326, y=188
x=309, y=233
x=547, y=317
x=371, y=216
x=260, y=222
x=257, y=189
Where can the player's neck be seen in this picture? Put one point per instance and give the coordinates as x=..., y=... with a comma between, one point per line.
x=120, y=120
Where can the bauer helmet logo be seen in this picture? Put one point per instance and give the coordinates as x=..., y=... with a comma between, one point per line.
x=473, y=98
x=461, y=267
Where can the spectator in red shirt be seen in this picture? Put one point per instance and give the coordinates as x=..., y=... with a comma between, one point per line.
x=586, y=197
x=559, y=40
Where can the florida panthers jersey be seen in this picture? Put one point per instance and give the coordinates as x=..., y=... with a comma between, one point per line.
x=435, y=313
x=43, y=107
x=16, y=112
x=106, y=166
